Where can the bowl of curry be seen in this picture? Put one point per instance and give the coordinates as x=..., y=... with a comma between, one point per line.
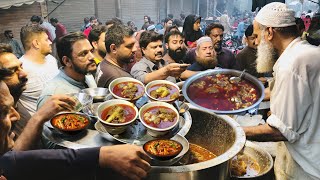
x=162, y=149
x=126, y=88
x=162, y=90
x=158, y=117
x=213, y=91
x=70, y=123
x=116, y=115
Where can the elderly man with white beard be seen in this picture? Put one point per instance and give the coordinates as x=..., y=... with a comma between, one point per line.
x=295, y=94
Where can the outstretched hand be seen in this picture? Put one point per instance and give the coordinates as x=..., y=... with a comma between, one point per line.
x=128, y=160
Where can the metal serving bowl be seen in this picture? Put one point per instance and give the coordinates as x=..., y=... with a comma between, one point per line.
x=262, y=157
x=251, y=109
x=157, y=132
x=99, y=94
x=115, y=128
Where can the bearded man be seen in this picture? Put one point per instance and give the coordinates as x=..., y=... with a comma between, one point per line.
x=206, y=57
x=75, y=52
x=295, y=100
x=176, y=49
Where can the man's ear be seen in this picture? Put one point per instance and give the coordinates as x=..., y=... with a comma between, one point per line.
x=95, y=44
x=167, y=46
x=270, y=33
x=113, y=48
x=143, y=49
x=66, y=61
x=35, y=43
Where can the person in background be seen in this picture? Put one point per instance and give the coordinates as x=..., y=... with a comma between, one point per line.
x=120, y=47
x=38, y=21
x=147, y=22
x=246, y=58
x=93, y=22
x=295, y=100
x=86, y=24
x=152, y=66
x=225, y=57
x=131, y=25
x=97, y=38
x=60, y=28
x=17, y=49
x=225, y=22
x=191, y=30
x=37, y=62
x=206, y=57
x=167, y=23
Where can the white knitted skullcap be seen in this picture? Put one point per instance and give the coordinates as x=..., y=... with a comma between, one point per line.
x=276, y=14
x=203, y=39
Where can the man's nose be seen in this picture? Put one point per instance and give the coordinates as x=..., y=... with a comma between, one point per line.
x=22, y=74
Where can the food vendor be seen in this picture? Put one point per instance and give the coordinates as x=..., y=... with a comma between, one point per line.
x=295, y=100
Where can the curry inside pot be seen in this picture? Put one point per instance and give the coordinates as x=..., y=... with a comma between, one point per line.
x=196, y=154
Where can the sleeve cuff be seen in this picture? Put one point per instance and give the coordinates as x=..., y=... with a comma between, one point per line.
x=275, y=122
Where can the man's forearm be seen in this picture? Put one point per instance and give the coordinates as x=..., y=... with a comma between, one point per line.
x=187, y=73
x=263, y=133
x=155, y=75
x=30, y=135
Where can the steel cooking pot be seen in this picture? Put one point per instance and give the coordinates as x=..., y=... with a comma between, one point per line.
x=251, y=109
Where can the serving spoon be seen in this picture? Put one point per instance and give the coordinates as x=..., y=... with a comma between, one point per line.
x=237, y=79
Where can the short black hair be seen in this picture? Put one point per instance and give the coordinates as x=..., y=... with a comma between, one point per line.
x=212, y=26
x=170, y=16
x=27, y=32
x=93, y=18
x=65, y=43
x=96, y=32
x=4, y=48
x=6, y=32
x=166, y=20
x=148, y=37
x=172, y=33
x=35, y=18
x=115, y=35
x=249, y=30
x=54, y=20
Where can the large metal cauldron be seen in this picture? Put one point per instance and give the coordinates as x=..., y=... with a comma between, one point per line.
x=251, y=109
x=220, y=135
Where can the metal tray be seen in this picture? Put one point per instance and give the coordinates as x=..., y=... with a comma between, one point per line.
x=137, y=134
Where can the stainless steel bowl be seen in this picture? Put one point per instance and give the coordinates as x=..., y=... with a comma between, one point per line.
x=262, y=157
x=251, y=109
x=99, y=94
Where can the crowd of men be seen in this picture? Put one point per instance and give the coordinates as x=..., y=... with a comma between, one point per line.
x=33, y=89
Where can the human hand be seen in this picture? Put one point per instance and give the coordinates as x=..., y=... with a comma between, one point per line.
x=128, y=160
x=54, y=105
x=175, y=69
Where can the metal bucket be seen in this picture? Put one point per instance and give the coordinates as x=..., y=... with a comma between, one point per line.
x=218, y=134
x=251, y=109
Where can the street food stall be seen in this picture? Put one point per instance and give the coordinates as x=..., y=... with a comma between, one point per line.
x=208, y=142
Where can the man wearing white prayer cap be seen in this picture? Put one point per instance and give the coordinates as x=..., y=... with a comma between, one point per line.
x=206, y=56
x=295, y=94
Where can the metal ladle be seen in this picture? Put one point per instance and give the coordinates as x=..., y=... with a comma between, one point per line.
x=237, y=79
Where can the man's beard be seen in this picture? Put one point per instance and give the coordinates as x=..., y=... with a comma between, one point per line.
x=102, y=53
x=124, y=60
x=218, y=46
x=177, y=56
x=208, y=63
x=83, y=71
x=17, y=89
x=266, y=57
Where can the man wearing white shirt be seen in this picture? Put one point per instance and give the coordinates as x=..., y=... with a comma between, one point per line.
x=37, y=63
x=295, y=99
